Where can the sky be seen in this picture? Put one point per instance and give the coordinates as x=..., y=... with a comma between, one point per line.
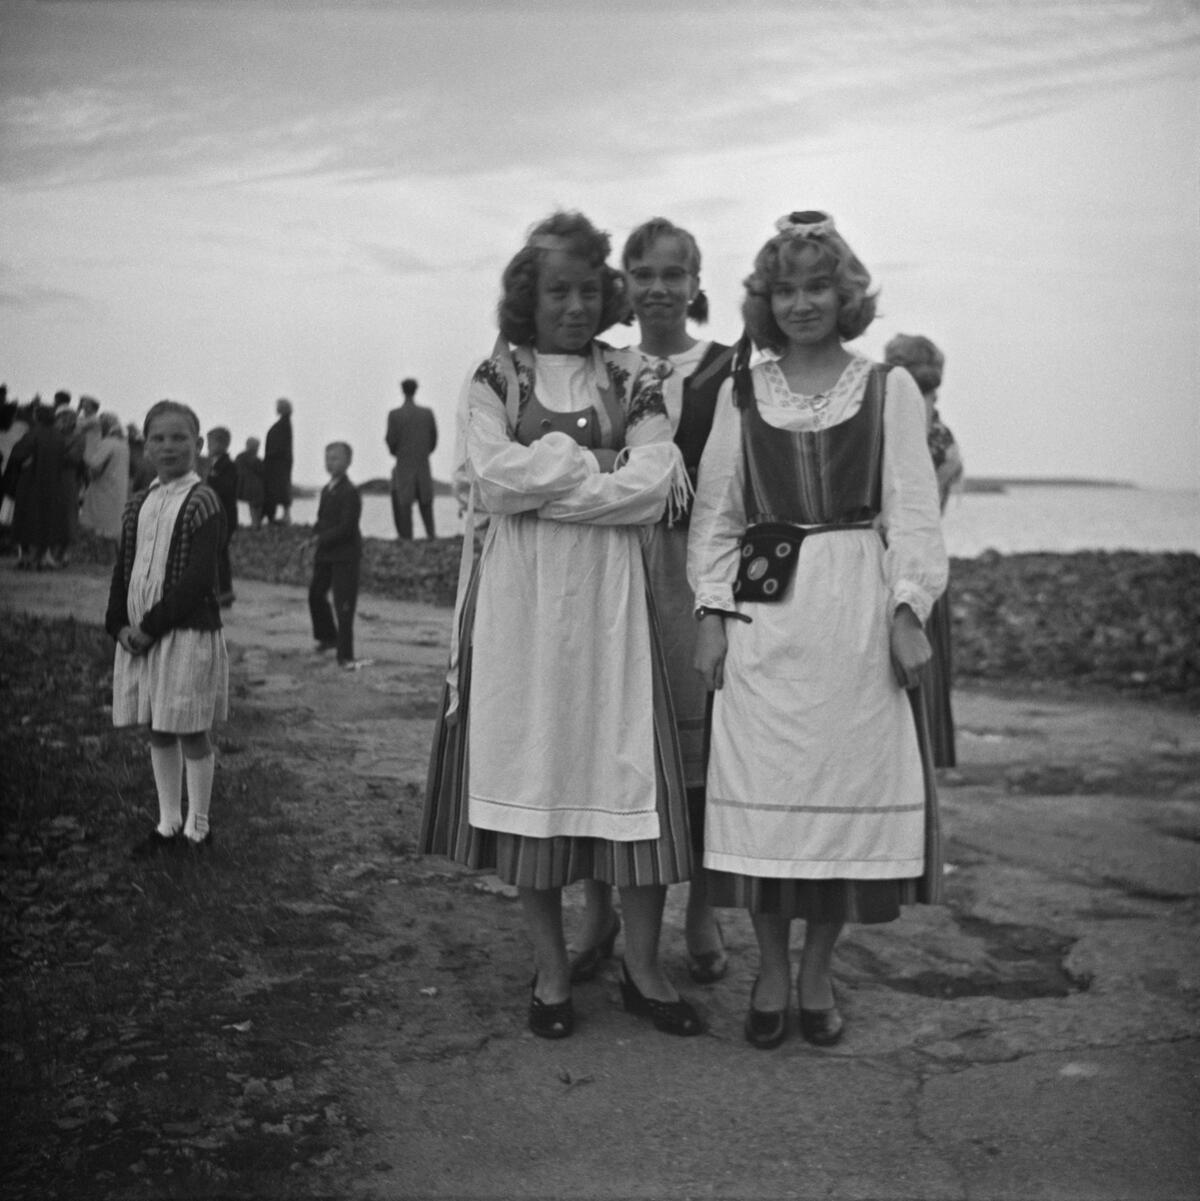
x=228, y=202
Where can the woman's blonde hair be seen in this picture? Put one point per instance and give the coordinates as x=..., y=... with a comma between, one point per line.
x=807, y=239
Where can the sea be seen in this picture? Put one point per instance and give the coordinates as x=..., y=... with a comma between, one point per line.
x=1021, y=518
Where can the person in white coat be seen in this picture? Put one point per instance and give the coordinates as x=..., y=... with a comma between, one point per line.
x=107, y=462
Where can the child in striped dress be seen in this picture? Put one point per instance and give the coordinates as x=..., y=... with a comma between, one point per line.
x=171, y=671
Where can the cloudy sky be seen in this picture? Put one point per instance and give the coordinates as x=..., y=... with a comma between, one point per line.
x=226, y=202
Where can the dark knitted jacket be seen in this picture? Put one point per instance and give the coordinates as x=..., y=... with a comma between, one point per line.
x=189, y=595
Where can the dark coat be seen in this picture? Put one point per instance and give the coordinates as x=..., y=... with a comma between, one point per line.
x=277, y=463
x=412, y=438
x=250, y=478
x=41, y=472
x=223, y=480
x=338, y=537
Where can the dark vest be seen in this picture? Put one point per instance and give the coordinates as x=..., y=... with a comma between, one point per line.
x=700, y=391
x=815, y=477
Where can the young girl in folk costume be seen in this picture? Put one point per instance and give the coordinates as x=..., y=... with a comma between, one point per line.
x=555, y=759
x=662, y=269
x=820, y=794
x=171, y=671
x=924, y=362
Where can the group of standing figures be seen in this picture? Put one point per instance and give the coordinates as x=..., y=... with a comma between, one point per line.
x=64, y=469
x=727, y=694
x=264, y=485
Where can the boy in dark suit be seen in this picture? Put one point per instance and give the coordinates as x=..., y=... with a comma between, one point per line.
x=222, y=479
x=336, y=563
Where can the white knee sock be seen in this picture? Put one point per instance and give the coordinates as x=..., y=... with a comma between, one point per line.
x=199, y=787
x=167, y=762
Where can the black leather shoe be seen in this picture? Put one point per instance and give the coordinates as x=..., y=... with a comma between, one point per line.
x=585, y=964
x=822, y=1027
x=765, y=1028
x=671, y=1017
x=550, y=1021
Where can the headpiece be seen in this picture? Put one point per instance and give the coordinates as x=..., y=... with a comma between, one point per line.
x=809, y=223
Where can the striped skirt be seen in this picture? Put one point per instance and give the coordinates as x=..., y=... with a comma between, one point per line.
x=865, y=902
x=936, y=685
x=554, y=862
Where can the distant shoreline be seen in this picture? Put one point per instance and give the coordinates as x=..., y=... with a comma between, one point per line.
x=1001, y=483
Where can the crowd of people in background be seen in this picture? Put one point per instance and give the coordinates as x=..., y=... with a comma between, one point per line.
x=68, y=468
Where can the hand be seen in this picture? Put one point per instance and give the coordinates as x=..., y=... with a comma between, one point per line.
x=709, y=659
x=135, y=641
x=910, y=648
x=606, y=458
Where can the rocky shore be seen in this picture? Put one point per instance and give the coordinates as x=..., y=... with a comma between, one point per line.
x=1119, y=620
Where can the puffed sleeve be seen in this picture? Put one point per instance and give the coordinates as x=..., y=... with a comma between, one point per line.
x=650, y=478
x=915, y=563
x=719, y=514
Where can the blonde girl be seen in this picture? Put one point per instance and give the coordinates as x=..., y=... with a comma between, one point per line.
x=820, y=802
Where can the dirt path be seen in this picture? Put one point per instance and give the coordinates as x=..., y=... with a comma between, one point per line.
x=1036, y=1037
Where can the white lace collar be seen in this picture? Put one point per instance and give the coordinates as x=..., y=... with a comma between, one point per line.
x=849, y=383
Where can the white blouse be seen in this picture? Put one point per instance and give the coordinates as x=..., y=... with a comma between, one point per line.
x=915, y=563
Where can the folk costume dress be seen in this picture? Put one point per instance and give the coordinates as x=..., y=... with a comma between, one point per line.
x=165, y=581
x=555, y=758
x=820, y=802
x=691, y=383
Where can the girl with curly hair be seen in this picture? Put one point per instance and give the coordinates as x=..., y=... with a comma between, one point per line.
x=815, y=555
x=555, y=757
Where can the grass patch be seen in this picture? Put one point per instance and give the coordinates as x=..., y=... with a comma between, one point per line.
x=163, y=1022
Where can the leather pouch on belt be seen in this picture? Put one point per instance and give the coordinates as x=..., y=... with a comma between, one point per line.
x=768, y=554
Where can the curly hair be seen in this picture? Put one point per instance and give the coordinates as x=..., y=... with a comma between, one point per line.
x=516, y=312
x=169, y=406
x=827, y=251
x=920, y=357
x=646, y=234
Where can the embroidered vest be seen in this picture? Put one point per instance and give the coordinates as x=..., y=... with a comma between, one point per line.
x=815, y=477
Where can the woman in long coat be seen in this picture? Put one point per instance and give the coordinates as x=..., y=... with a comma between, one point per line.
x=42, y=519
x=108, y=484
x=277, y=465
